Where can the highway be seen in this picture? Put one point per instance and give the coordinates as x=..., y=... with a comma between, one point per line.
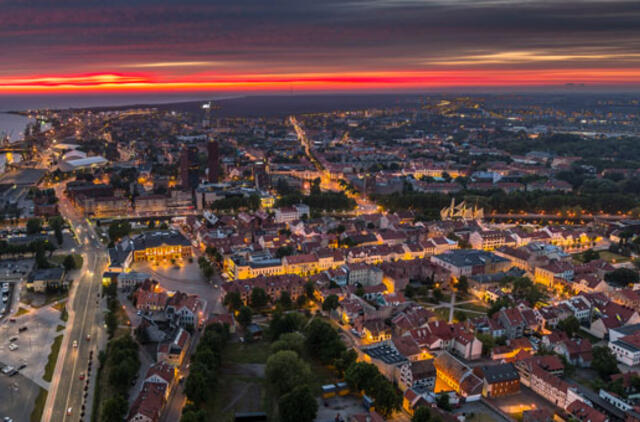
x=85, y=318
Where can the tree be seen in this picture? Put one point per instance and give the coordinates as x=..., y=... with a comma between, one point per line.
x=569, y=325
x=283, y=251
x=114, y=409
x=69, y=263
x=323, y=341
x=590, y=255
x=118, y=230
x=195, y=387
x=285, y=370
x=233, y=301
x=205, y=267
x=443, y=402
x=244, y=316
x=604, y=362
x=421, y=414
x=346, y=359
x=360, y=376
x=463, y=284
x=298, y=406
x=330, y=303
x=34, y=225
x=437, y=295
x=112, y=323
x=194, y=415
x=285, y=323
x=621, y=277
x=289, y=341
x=285, y=300
x=57, y=223
x=309, y=289
x=386, y=396
x=259, y=298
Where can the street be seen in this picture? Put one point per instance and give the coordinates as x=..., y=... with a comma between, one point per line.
x=85, y=318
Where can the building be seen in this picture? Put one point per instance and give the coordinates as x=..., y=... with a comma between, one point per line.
x=499, y=380
x=470, y=262
x=457, y=376
x=189, y=168
x=289, y=214
x=626, y=349
x=173, y=352
x=160, y=246
x=213, y=161
x=42, y=280
x=420, y=373
x=585, y=413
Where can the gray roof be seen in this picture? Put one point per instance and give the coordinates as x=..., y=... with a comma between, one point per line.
x=386, y=353
x=153, y=239
x=627, y=329
x=48, y=274
x=500, y=373
x=470, y=257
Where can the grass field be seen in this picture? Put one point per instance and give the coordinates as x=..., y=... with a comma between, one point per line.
x=21, y=311
x=41, y=399
x=53, y=358
x=476, y=306
x=59, y=259
x=257, y=352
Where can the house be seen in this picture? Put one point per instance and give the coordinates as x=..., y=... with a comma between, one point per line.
x=185, y=310
x=469, y=262
x=490, y=239
x=467, y=346
x=148, y=405
x=499, y=380
x=576, y=351
x=173, y=352
x=613, y=315
x=161, y=373
x=585, y=413
x=419, y=373
x=458, y=377
x=549, y=386
x=626, y=349
x=549, y=363
x=45, y=279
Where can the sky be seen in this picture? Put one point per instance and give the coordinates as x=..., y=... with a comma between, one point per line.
x=315, y=45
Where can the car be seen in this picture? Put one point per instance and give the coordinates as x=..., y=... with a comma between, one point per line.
x=23, y=328
x=69, y=411
x=7, y=369
x=81, y=377
x=7, y=419
x=13, y=339
x=139, y=313
x=88, y=337
x=75, y=344
x=13, y=347
x=12, y=320
x=21, y=367
x=5, y=298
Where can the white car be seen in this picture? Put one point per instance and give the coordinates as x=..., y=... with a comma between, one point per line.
x=7, y=369
x=13, y=346
x=75, y=344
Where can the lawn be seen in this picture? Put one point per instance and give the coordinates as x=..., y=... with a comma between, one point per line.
x=473, y=307
x=41, y=399
x=59, y=259
x=21, y=311
x=612, y=257
x=256, y=352
x=442, y=313
x=53, y=358
x=33, y=299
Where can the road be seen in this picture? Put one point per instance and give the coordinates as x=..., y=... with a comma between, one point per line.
x=85, y=318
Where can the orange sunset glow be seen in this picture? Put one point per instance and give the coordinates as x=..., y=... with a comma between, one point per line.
x=380, y=80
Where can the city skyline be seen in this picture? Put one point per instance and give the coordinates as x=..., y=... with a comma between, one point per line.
x=309, y=46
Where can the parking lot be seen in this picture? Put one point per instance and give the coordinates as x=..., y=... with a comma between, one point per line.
x=34, y=343
x=17, y=397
